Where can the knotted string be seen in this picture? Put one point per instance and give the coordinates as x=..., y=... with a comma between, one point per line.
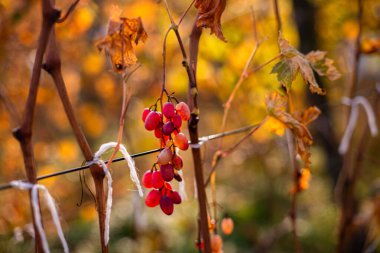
x=354, y=103
x=133, y=174
x=37, y=215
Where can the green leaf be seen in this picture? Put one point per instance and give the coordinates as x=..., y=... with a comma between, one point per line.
x=286, y=72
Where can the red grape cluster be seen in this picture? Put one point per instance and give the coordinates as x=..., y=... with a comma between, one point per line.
x=167, y=127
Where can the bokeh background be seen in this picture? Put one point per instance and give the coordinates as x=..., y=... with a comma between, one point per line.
x=253, y=184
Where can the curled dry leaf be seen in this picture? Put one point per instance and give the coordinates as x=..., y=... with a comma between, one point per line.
x=276, y=105
x=122, y=36
x=293, y=62
x=323, y=65
x=210, y=13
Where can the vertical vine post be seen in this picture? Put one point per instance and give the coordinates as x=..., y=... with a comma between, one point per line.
x=24, y=132
x=193, y=131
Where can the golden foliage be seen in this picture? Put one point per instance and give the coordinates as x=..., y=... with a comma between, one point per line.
x=210, y=13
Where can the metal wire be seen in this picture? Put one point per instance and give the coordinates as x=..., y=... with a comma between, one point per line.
x=201, y=140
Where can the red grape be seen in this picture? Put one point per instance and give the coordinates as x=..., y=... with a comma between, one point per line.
x=165, y=156
x=152, y=120
x=168, y=128
x=157, y=181
x=167, y=172
x=168, y=186
x=183, y=110
x=153, y=198
x=168, y=110
x=158, y=131
x=181, y=141
x=175, y=197
x=145, y=114
x=177, y=162
x=166, y=205
x=147, y=179
x=177, y=121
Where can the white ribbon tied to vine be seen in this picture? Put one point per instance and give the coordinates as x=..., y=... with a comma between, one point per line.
x=133, y=174
x=37, y=214
x=354, y=103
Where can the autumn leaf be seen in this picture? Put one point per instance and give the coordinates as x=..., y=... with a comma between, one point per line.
x=323, y=65
x=122, y=36
x=276, y=106
x=210, y=13
x=293, y=62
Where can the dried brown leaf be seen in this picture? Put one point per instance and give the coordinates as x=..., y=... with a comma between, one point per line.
x=293, y=62
x=323, y=65
x=276, y=105
x=122, y=36
x=210, y=13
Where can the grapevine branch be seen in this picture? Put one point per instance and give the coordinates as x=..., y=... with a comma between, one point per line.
x=222, y=154
x=23, y=133
x=53, y=67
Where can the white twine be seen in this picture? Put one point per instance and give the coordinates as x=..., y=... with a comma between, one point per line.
x=109, y=198
x=354, y=103
x=131, y=164
x=37, y=214
x=181, y=187
x=133, y=174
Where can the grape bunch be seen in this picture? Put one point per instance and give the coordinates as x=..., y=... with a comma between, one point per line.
x=167, y=128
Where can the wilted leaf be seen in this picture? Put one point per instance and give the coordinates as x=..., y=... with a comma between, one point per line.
x=276, y=105
x=210, y=13
x=323, y=65
x=123, y=33
x=294, y=61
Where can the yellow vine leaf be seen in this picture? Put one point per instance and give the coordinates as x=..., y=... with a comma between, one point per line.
x=276, y=105
x=210, y=13
x=294, y=62
x=122, y=36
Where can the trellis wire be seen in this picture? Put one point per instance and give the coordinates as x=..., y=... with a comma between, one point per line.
x=152, y=151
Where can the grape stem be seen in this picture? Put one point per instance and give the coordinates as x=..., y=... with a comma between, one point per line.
x=222, y=154
x=193, y=122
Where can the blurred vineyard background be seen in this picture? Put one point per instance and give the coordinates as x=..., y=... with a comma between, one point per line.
x=253, y=184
